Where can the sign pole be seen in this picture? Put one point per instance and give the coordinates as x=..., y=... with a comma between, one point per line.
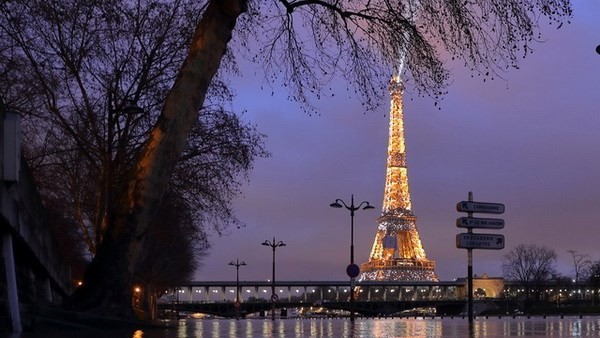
x=472, y=240
x=470, y=272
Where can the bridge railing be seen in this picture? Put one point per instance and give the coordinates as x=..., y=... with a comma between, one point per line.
x=220, y=292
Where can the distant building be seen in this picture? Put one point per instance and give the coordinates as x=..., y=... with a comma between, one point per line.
x=483, y=287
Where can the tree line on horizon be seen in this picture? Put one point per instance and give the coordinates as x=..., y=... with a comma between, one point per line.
x=533, y=267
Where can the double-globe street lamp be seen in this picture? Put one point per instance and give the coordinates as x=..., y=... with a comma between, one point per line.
x=352, y=270
x=274, y=244
x=237, y=265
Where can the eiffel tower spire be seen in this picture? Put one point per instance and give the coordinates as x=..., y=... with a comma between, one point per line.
x=397, y=252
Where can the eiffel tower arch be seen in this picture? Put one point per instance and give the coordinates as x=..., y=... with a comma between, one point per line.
x=397, y=253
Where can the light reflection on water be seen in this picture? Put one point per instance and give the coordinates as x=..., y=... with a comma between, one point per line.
x=322, y=327
x=411, y=327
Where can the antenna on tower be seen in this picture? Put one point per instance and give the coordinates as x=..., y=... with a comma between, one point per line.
x=411, y=18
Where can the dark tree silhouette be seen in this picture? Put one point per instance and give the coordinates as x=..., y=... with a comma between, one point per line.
x=530, y=265
x=581, y=265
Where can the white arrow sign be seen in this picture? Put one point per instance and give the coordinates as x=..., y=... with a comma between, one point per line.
x=481, y=223
x=480, y=241
x=480, y=207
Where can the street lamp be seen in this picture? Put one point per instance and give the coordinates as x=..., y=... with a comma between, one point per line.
x=237, y=265
x=274, y=244
x=352, y=270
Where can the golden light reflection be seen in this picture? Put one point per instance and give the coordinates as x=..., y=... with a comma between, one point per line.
x=249, y=328
x=389, y=327
x=215, y=329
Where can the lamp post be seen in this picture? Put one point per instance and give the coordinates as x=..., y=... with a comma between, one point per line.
x=237, y=265
x=274, y=244
x=352, y=270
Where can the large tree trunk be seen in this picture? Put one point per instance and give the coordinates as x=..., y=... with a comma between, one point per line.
x=107, y=283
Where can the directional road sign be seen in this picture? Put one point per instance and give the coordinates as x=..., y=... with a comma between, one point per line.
x=480, y=207
x=480, y=241
x=480, y=223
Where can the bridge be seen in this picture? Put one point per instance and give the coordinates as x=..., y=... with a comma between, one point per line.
x=373, y=298
x=32, y=271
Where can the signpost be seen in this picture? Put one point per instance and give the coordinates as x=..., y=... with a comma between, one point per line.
x=352, y=270
x=480, y=207
x=480, y=223
x=472, y=241
x=480, y=241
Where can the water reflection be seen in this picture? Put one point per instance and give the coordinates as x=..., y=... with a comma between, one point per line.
x=342, y=327
x=418, y=327
x=575, y=329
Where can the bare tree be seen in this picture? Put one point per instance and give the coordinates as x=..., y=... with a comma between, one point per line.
x=581, y=265
x=170, y=255
x=75, y=70
x=530, y=265
x=594, y=278
x=306, y=43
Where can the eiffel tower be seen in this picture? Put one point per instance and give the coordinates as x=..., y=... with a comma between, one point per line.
x=397, y=253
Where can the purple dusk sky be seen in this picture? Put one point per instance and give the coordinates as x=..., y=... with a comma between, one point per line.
x=530, y=141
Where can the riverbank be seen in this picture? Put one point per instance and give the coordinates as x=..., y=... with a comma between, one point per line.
x=40, y=318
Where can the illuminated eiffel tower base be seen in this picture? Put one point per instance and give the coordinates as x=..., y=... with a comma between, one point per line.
x=397, y=253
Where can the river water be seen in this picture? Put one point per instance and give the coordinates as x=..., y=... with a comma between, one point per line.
x=362, y=327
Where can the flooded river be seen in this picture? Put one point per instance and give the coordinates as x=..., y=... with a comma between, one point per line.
x=341, y=327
